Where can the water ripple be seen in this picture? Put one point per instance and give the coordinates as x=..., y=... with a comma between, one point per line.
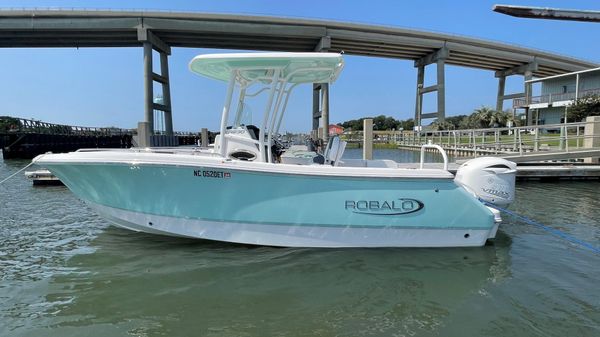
x=64, y=270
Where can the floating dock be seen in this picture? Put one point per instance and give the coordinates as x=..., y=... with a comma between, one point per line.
x=43, y=178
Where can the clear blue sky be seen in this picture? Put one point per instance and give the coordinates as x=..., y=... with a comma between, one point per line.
x=102, y=87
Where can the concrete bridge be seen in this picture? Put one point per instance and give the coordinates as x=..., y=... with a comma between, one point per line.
x=161, y=31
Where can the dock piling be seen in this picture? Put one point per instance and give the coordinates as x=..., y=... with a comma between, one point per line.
x=591, y=135
x=368, y=139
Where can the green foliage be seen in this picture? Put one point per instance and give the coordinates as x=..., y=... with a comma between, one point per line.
x=380, y=122
x=9, y=123
x=482, y=118
x=583, y=107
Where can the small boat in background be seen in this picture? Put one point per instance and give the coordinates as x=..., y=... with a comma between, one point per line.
x=248, y=188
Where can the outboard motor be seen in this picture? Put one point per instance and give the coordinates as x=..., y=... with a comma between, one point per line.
x=490, y=179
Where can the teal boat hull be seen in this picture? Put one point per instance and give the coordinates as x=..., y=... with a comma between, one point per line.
x=280, y=209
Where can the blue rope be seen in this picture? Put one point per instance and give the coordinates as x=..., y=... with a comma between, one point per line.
x=550, y=230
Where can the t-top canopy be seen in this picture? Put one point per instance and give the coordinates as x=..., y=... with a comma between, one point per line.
x=300, y=67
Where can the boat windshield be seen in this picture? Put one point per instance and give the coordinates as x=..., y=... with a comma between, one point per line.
x=243, y=115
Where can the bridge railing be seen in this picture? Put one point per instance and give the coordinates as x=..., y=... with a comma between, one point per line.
x=12, y=125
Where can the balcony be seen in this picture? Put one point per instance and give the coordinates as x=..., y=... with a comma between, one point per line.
x=552, y=98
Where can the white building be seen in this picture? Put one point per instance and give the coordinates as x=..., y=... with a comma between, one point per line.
x=557, y=93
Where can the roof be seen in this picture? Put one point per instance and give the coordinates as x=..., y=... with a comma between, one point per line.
x=105, y=28
x=582, y=72
x=295, y=67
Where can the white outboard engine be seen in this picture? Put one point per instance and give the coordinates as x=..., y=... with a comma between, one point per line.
x=490, y=179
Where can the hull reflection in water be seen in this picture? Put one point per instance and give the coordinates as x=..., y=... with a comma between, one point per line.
x=205, y=288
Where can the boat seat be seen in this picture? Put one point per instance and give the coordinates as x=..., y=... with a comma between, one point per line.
x=254, y=131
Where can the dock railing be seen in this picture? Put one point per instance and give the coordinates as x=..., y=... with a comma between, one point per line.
x=563, y=137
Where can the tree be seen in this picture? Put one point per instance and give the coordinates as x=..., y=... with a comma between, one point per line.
x=354, y=124
x=583, y=107
x=380, y=122
x=439, y=126
x=408, y=124
x=9, y=123
x=455, y=121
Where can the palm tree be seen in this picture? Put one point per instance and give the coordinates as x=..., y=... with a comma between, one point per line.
x=483, y=117
x=498, y=119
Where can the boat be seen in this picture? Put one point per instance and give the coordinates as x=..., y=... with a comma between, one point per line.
x=247, y=188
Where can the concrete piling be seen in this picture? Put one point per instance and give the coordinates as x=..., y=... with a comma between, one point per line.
x=204, y=137
x=368, y=138
x=144, y=134
x=592, y=136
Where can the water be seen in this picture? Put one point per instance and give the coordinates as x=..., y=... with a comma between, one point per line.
x=66, y=272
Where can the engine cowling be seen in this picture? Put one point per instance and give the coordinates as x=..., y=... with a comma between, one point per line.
x=490, y=179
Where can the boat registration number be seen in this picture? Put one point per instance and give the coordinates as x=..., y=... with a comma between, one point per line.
x=212, y=174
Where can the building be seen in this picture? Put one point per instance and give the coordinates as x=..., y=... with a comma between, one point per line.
x=335, y=130
x=557, y=93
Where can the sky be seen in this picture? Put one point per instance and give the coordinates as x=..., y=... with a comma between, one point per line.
x=104, y=86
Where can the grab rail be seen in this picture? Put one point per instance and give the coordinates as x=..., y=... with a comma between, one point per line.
x=433, y=146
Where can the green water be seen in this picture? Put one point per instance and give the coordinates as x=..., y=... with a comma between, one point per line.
x=66, y=272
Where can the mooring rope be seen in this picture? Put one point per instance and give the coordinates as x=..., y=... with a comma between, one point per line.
x=548, y=229
x=14, y=174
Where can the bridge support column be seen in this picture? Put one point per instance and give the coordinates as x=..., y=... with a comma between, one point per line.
x=439, y=58
x=321, y=99
x=325, y=111
x=528, y=88
x=151, y=42
x=148, y=90
x=419, y=97
x=500, y=97
x=166, y=90
x=441, y=90
x=527, y=71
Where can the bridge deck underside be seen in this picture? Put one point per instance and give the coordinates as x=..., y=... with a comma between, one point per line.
x=57, y=28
